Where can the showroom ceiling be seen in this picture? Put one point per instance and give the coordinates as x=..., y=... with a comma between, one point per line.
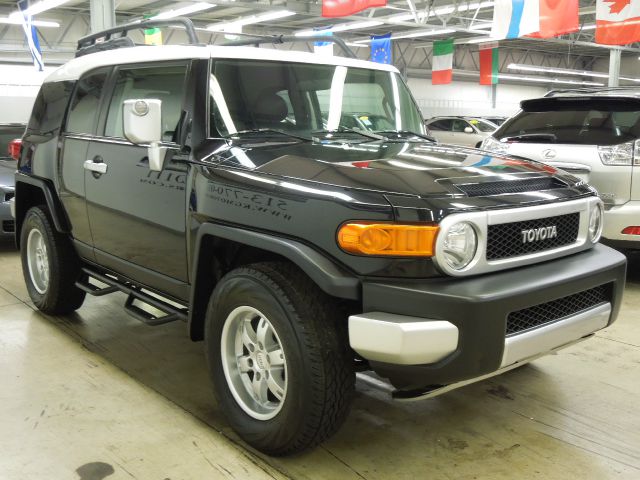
x=413, y=24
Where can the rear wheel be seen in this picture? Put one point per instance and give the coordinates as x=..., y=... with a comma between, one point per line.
x=279, y=358
x=49, y=264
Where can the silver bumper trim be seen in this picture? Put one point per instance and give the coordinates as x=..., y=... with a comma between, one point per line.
x=401, y=340
x=554, y=335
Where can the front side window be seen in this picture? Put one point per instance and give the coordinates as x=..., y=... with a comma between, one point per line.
x=164, y=83
x=482, y=125
x=460, y=125
x=302, y=98
x=83, y=110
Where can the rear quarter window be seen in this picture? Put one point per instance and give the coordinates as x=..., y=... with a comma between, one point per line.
x=49, y=108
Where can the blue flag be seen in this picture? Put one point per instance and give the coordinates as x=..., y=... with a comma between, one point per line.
x=31, y=35
x=381, y=48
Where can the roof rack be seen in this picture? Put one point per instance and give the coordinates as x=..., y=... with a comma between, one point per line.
x=116, y=37
x=258, y=40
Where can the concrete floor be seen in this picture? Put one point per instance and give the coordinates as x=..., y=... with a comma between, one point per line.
x=98, y=395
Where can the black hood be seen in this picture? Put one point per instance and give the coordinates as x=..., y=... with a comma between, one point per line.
x=416, y=169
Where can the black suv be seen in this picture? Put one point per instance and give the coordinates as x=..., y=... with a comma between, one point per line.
x=215, y=185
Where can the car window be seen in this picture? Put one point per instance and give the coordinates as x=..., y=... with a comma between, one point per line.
x=441, y=125
x=164, y=83
x=460, y=125
x=49, y=107
x=85, y=103
x=482, y=125
x=582, y=122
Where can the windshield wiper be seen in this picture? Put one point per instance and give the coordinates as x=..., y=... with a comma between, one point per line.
x=342, y=129
x=531, y=137
x=408, y=133
x=270, y=130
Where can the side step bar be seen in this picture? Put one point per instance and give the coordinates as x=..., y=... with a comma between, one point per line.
x=171, y=313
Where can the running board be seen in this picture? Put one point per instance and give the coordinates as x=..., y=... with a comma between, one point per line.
x=171, y=313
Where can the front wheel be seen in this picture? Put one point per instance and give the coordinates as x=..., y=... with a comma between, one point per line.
x=279, y=358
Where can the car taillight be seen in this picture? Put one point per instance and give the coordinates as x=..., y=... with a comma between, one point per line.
x=14, y=148
x=634, y=230
x=617, y=154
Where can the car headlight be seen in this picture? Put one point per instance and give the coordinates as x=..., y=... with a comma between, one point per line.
x=490, y=144
x=460, y=245
x=595, y=222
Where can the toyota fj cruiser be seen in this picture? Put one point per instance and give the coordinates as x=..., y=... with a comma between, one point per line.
x=216, y=185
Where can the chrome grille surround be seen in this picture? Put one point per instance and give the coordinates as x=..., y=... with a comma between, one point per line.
x=481, y=221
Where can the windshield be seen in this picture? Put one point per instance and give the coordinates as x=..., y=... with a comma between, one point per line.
x=587, y=122
x=483, y=125
x=300, y=99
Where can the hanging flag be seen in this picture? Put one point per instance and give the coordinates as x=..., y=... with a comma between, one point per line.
x=323, y=48
x=489, y=64
x=515, y=18
x=557, y=17
x=617, y=22
x=342, y=8
x=442, y=69
x=31, y=35
x=381, y=48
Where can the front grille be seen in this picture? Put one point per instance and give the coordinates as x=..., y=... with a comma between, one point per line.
x=512, y=186
x=506, y=239
x=8, y=226
x=8, y=196
x=538, y=315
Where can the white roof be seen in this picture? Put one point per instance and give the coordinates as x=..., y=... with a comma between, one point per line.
x=73, y=69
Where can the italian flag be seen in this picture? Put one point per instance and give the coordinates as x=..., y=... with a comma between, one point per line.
x=442, y=70
x=489, y=64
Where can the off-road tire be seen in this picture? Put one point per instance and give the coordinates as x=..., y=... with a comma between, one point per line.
x=61, y=295
x=313, y=334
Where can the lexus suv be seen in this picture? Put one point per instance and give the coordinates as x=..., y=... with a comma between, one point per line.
x=593, y=134
x=215, y=185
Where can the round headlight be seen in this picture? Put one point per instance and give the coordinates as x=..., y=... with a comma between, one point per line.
x=595, y=222
x=459, y=246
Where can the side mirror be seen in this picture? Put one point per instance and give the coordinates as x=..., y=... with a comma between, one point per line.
x=468, y=130
x=142, y=120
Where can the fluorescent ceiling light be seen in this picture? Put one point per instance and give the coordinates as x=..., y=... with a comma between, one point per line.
x=523, y=78
x=39, y=7
x=441, y=11
x=420, y=33
x=565, y=71
x=263, y=17
x=588, y=27
x=343, y=27
x=182, y=11
x=36, y=23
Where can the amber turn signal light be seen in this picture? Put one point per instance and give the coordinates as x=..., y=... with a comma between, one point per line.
x=388, y=239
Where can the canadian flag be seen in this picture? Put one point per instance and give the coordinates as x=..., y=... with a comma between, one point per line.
x=617, y=21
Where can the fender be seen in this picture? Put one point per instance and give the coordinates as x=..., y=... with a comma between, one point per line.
x=58, y=215
x=332, y=279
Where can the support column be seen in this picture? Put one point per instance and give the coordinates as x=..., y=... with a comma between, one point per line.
x=103, y=14
x=614, y=67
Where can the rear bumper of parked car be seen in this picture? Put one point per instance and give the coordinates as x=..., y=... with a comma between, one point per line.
x=616, y=219
x=421, y=335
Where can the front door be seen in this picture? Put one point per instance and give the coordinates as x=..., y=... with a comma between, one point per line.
x=137, y=216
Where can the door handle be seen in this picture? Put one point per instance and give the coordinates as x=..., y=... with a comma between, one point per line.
x=96, y=167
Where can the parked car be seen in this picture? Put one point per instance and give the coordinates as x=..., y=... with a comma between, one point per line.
x=9, y=132
x=464, y=131
x=496, y=120
x=299, y=253
x=593, y=134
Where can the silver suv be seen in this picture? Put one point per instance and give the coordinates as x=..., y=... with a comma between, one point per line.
x=593, y=134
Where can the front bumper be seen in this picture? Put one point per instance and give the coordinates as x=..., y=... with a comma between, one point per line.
x=617, y=219
x=443, y=331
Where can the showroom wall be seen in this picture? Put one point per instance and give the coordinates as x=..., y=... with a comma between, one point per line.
x=469, y=98
x=19, y=85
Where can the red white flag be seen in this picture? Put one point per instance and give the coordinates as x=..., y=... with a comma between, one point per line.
x=557, y=17
x=617, y=21
x=342, y=8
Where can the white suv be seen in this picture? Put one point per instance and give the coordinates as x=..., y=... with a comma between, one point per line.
x=593, y=134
